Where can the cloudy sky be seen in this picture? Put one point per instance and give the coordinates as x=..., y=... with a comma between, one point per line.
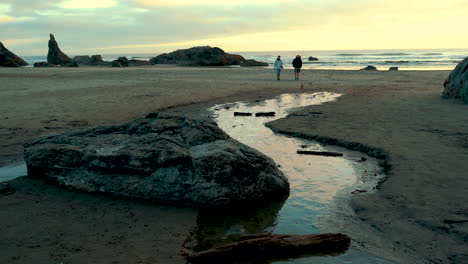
x=154, y=26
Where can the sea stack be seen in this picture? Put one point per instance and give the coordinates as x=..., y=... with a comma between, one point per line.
x=55, y=55
x=9, y=59
x=199, y=56
x=456, y=85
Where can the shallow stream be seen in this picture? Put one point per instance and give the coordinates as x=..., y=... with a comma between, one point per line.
x=314, y=180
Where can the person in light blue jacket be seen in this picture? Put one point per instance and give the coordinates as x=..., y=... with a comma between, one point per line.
x=278, y=66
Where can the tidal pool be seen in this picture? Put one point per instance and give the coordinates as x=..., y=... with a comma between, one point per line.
x=314, y=180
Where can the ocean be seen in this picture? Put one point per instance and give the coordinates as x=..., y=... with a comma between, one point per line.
x=440, y=59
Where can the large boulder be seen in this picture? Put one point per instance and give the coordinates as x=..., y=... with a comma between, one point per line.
x=199, y=56
x=55, y=55
x=456, y=85
x=162, y=157
x=9, y=59
x=253, y=63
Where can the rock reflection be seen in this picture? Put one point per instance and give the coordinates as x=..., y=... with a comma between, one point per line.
x=219, y=227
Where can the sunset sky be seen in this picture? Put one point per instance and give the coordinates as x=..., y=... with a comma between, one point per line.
x=154, y=26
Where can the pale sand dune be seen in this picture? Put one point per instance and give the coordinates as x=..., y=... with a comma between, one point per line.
x=425, y=136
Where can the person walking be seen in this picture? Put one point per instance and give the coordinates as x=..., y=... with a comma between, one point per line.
x=278, y=66
x=297, y=64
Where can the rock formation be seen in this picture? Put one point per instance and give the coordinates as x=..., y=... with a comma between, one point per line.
x=369, y=68
x=55, y=55
x=9, y=59
x=199, y=56
x=456, y=85
x=162, y=157
x=393, y=69
x=253, y=63
x=94, y=60
x=313, y=58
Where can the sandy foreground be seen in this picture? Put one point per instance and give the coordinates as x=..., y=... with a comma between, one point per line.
x=418, y=215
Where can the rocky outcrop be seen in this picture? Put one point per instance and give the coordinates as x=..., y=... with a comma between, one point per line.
x=313, y=58
x=9, y=59
x=253, y=63
x=393, y=69
x=125, y=62
x=43, y=64
x=94, y=60
x=369, y=68
x=456, y=85
x=55, y=55
x=199, y=56
x=162, y=157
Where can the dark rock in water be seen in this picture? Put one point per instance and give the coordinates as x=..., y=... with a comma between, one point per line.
x=162, y=157
x=94, y=60
x=55, y=55
x=393, y=69
x=253, y=63
x=43, y=64
x=320, y=153
x=313, y=58
x=199, y=56
x=71, y=64
x=6, y=189
x=456, y=85
x=123, y=61
x=9, y=59
x=116, y=64
x=83, y=60
x=369, y=68
x=138, y=63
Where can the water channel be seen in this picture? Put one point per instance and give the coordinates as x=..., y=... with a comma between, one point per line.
x=314, y=180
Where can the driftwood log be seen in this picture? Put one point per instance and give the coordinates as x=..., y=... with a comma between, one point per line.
x=242, y=114
x=268, y=246
x=265, y=114
x=320, y=153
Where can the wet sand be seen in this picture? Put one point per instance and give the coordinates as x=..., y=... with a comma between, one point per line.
x=408, y=220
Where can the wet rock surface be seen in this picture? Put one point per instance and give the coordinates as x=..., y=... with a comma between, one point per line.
x=162, y=157
x=9, y=59
x=199, y=56
x=456, y=84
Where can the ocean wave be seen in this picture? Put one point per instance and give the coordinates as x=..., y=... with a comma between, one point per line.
x=350, y=54
x=397, y=62
x=392, y=54
x=433, y=54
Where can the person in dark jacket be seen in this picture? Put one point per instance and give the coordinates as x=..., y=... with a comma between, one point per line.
x=297, y=64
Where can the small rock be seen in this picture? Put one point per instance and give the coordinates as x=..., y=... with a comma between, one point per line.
x=242, y=114
x=313, y=58
x=265, y=114
x=393, y=69
x=369, y=68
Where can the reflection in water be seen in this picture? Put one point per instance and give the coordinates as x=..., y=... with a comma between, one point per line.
x=11, y=172
x=314, y=180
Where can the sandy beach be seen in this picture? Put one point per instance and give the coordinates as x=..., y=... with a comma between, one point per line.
x=418, y=215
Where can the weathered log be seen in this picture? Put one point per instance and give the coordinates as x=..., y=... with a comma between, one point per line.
x=242, y=114
x=265, y=114
x=320, y=153
x=268, y=246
